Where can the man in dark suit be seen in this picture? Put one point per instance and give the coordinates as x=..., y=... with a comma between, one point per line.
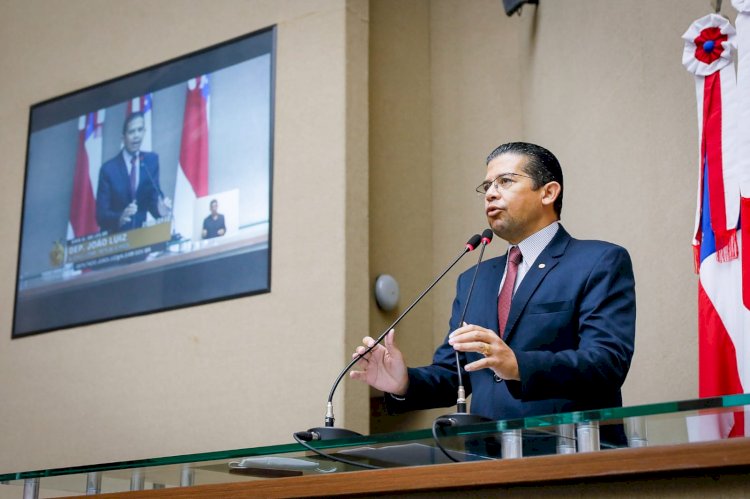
x=129, y=183
x=214, y=225
x=568, y=309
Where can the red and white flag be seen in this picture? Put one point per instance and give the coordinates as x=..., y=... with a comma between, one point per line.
x=723, y=318
x=85, y=179
x=192, y=172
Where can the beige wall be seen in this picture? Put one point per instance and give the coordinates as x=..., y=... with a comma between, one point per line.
x=441, y=97
x=234, y=374
x=616, y=105
x=401, y=175
x=357, y=192
x=599, y=83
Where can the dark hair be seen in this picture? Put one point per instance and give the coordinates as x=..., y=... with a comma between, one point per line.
x=541, y=165
x=129, y=118
x=212, y=202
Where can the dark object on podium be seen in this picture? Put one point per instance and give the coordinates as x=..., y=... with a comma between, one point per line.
x=263, y=472
x=411, y=454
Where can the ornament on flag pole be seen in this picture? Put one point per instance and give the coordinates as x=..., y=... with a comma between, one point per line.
x=709, y=49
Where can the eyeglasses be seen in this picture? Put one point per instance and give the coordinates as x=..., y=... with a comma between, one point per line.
x=502, y=182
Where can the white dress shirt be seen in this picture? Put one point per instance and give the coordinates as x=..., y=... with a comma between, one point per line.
x=531, y=248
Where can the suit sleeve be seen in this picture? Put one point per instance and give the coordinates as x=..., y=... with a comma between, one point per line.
x=435, y=385
x=606, y=336
x=106, y=217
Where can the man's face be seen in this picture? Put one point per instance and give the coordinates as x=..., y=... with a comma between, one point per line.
x=214, y=208
x=514, y=211
x=134, y=135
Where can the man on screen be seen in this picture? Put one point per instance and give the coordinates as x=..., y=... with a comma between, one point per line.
x=213, y=225
x=129, y=183
x=564, y=308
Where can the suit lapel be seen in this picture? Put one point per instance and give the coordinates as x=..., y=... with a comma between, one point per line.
x=545, y=262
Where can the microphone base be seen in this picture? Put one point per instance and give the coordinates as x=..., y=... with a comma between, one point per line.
x=462, y=419
x=331, y=433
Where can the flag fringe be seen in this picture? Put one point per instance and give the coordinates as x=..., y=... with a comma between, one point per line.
x=697, y=258
x=726, y=246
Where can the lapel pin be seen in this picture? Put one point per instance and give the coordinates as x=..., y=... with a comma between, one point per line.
x=541, y=265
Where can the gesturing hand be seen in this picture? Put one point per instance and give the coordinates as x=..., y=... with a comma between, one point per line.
x=383, y=368
x=128, y=212
x=497, y=354
x=164, y=206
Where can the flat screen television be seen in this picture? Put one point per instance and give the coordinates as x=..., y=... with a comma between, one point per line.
x=151, y=191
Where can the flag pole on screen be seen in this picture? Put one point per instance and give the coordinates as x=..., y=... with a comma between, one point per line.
x=192, y=171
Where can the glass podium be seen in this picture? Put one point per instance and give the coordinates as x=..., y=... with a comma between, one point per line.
x=653, y=425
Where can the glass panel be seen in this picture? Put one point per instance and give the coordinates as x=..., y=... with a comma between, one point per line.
x=646, y=425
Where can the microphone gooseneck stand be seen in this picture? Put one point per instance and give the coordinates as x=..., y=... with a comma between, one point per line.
x=329, y=432
x=461, y=417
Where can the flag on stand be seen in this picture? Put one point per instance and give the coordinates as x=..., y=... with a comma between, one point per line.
x=192, y=171
x=742, y=345
x=723, y=318
x=85, y=178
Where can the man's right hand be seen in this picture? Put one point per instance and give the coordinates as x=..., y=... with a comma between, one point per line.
x=383, y=368
x=128, y=213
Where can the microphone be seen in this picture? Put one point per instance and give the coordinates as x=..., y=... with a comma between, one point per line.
x=487, y=236
x=461, y=417
x=160, y=195
x=150, y=177
x=328, y=431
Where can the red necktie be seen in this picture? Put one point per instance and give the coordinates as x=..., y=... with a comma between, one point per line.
x=506, y=294
x=132, y=176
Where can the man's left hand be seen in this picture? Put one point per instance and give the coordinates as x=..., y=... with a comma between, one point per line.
x=497, y=354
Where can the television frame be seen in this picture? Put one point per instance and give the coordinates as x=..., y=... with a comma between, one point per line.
x=92, y=292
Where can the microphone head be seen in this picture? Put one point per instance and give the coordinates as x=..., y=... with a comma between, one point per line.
x=487, y=236
x=473, y=242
